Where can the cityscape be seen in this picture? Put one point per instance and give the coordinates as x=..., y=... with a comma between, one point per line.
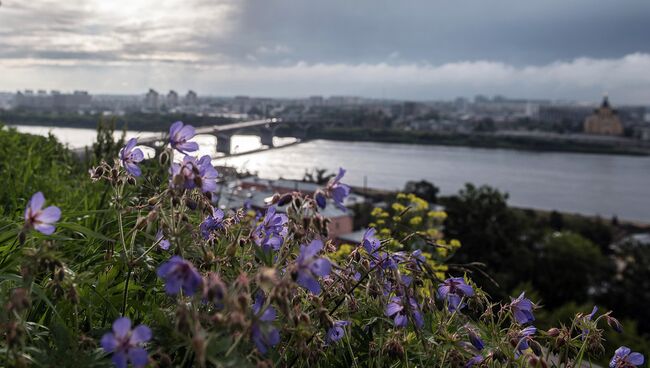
x=192, y=183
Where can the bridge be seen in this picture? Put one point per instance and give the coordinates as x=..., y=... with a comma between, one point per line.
x=264, y=128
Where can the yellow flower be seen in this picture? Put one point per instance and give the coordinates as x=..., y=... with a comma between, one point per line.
x=415, y=221
x=398, y=207
x=437, y=214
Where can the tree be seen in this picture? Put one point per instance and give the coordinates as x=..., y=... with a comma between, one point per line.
x=629, y=293
x=423, y=189
x=569, y=267
x=490, y=233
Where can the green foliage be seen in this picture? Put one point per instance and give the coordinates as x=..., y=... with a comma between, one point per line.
x=31, y=163
x=569, y=267
x=491, y=233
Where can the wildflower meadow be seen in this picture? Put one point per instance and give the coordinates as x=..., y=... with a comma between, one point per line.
x=141, y=268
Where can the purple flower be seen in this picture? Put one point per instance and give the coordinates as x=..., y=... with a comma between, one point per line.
x=625, y=358
x=162, y=243
x=474, y=338
x=370, y=242
x=130, y=156
x=321, y=201
x=179, y=135
x=452, y=290
x=522, y=309
x=309, y=266
x=337, y=190
x=263, y=333
x=191, y=173
x=208, y=174
x=614, y=323
x=475, y=360
x=587, y=321
x=179, y=274
x=270, y=233
x=214, y=290
x=212, y=223
x=399, y=312
x=525, y=336
x=336, y=332
x=125, y=344
x=36, y=217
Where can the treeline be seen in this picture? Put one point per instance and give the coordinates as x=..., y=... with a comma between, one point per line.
x=133, y=121
x=462, y=139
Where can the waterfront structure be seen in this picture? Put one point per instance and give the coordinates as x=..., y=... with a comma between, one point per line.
x=53, y=101
x=604, y=121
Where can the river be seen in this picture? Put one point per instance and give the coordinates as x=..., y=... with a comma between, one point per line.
x=589, y=184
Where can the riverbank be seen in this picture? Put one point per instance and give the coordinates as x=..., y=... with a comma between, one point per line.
x=477, y=140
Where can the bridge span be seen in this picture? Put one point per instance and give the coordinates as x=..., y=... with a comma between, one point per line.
x=264, y=128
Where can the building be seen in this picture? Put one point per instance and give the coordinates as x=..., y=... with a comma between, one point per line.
x=191, y=99
x=53, y=101
x=151, y=100
x=172, y=99
x=604, y=121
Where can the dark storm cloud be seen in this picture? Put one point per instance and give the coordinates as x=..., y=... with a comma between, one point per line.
x=513, y=31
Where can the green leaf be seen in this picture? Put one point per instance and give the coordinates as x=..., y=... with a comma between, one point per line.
x=84, y=231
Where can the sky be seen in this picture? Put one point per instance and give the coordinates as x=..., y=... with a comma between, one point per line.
x=407, y=49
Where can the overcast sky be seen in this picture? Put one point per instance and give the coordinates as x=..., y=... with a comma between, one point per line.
x=428, y=49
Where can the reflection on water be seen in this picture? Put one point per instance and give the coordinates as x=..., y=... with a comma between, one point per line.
x=583, y=183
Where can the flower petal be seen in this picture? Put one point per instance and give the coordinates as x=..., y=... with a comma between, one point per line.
x=138, y=357
x=119, y=359
x=121, y=327
x=140, y=334
x=46, y=229
x=108, y=342
x=635, y=358
x=37, y=201
x=49, y=215
x=321, y=267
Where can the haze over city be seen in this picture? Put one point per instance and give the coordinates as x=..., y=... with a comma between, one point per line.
x=418, y=50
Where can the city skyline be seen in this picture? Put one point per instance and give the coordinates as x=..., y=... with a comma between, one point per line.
x=418, y=50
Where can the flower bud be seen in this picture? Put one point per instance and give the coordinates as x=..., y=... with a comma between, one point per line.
x=267, y=277
x=394, y=349
x=553, y=332
x=614, y=324
x=237, y=320
x=191, y=204
x=164, y=157
x=285, y=199
x=130, y=180
x=18, y=301
x=536, y=347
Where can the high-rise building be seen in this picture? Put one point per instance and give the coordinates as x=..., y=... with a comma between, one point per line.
x=151, y=100
x=191, y=99
x=172, y=99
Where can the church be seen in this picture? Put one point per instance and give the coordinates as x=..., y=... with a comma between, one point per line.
x=604, y=121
